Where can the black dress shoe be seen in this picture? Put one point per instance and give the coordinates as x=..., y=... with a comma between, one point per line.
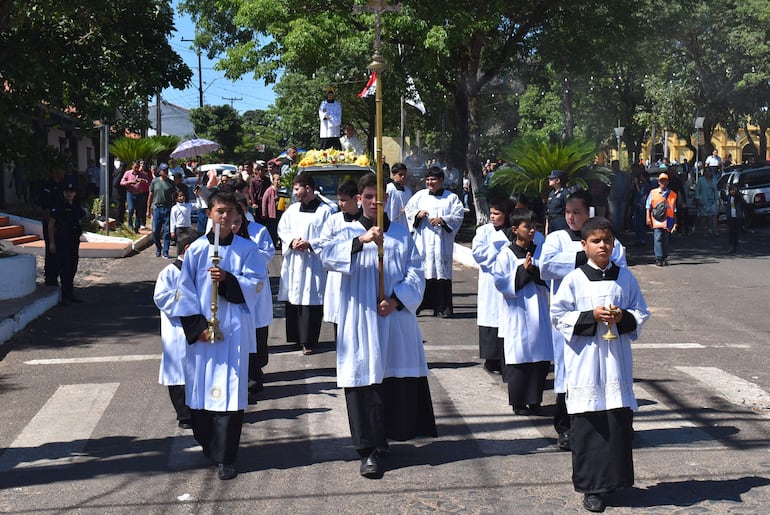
x=370, y=467
x=521, y=410
x=185, y=424
x=564, y=441
x=226, y=471
x=594, y=503
x=534, y=408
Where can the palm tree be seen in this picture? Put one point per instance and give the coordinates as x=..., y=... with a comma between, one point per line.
x=132, y=149
x=529, y=161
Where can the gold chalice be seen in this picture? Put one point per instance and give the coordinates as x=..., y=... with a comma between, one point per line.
x=609, y=335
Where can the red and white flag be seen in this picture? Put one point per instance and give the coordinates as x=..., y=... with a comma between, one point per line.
x=370, y=88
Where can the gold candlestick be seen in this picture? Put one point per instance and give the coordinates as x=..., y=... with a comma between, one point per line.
x=214, y=331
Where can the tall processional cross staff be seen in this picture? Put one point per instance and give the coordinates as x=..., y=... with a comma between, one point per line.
x=378, y=66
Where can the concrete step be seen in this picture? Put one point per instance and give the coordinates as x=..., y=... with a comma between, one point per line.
x=27, y=238
x=4, y=220
x=11, y=231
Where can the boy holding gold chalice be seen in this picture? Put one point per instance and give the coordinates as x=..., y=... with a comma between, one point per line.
x=593, y=300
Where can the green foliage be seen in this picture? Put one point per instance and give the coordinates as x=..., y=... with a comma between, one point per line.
x=129, y=150
x=531, y=159
x=221, y=124
x=88, y=57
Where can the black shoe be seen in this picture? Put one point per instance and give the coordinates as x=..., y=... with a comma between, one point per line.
x=534, y=408
x=594, y=503
x=369, y=466
x=255, y=386
x=665, y=263
x=659, y=263
x=443, y=314
x=521, y=410
x=226, y=471
x=492, y=366
x=563, y=441
x=185, y=424
x=385, y=449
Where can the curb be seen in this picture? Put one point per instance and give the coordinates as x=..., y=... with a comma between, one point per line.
x=462, y=255
x=19, y=320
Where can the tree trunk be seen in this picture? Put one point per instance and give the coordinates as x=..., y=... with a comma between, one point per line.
x=762, y=143
x=566, y=106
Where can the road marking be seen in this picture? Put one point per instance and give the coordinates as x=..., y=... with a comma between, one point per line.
x=59, y=432
x=667, y=346
x=482, y=404
x=93, y=359
x=731, y=388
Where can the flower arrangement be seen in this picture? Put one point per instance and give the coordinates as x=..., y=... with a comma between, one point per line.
x=332, y=156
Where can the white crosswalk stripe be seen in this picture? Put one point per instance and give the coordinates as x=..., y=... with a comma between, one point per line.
x=61, y=429
x=731, y=388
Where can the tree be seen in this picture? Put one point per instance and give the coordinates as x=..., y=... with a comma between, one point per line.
x=221, y=124
x=87, y=58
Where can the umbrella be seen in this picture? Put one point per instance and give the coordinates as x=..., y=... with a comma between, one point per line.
x=195, y=147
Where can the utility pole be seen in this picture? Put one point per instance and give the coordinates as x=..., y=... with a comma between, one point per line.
x=158, y=128
x=200, y=71
x=232, y=100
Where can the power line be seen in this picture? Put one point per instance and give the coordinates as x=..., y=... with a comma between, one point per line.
x=232, y=100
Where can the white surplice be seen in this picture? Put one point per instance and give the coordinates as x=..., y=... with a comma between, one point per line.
x=171, y=332
x=525, y=325
x=216, y=374
x=599, y=373
x=435, y=243
x=396, y=203
x=332, y=227
x=487, y=244
x=263, y=310
x=557, y=259
x=372, y=347
x=302, y=275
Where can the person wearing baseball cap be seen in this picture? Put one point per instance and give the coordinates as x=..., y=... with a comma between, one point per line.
x=661, y=217
x=64, y=232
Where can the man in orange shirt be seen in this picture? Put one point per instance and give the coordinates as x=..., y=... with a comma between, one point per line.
x=661, y=217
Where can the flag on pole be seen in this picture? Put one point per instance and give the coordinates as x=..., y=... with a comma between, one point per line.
x=412, y=97
x=370, y=88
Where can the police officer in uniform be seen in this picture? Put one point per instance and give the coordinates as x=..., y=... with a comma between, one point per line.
x=64, y=232
x=557, y=201
x=50, y=197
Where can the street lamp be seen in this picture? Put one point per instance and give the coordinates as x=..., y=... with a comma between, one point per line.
x=619, y=135
x=698, y=126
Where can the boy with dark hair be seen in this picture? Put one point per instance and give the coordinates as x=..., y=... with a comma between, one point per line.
x=596, y=299
x=380, y=357
x=527, y=339
x=398, y=194
x=489, y=241
x=303, y=278
x=562, y=253
x=216, y=365
x=171, y=333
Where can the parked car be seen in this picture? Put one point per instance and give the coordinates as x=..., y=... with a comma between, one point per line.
x=327, y=179
x=753, y=184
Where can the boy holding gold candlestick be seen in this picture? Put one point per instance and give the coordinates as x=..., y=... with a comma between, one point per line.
x=595, y=298
x=216, y=367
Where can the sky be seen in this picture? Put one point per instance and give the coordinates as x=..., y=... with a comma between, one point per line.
x=218, y=90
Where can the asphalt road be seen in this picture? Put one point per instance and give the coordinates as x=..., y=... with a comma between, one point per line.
x=87, y=429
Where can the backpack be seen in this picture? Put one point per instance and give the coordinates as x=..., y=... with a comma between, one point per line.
x=659, y=210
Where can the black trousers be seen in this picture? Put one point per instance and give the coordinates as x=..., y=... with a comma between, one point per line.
x=733, y=229
x=176, y=392
x=602, y=450
x=259, y=359
x=438, y=295
x=366, y=417
x=218, y=432
x=303, y=324
x=490, y=345
x=561, y=419
x=526, y=382
x=67, y=248
x=51, y=267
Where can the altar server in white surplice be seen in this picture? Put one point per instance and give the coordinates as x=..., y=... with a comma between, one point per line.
x=171, y=332
x=436, y=214
x=525, y=326
x=380, y=357
x=599, y=371
x=216, y=373
x=398, y=195
x=303, y=278
x=349, y=213
x=562, y=253
x=263, y=310
x=489, y=241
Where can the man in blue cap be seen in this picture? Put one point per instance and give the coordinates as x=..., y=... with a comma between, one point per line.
x=161, y=200
x=557, y=201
